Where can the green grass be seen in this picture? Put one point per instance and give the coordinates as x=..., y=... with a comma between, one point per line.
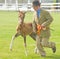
x=8, y=23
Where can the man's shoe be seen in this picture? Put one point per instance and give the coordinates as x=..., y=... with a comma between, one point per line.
x=54, y=49
x=43, y=55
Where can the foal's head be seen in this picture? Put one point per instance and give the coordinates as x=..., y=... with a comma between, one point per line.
x=21, y=16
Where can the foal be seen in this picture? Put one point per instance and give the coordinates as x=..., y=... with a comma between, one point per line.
x=23, y=29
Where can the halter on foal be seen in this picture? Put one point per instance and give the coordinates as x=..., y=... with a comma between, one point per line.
x=23, y=29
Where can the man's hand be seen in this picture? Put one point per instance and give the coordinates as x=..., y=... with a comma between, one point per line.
x=38, y=29
x=43, y=27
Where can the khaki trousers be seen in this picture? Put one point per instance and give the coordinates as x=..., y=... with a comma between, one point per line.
x=43, y=42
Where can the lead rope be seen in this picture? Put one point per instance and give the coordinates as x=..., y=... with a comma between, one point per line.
x=38, y=29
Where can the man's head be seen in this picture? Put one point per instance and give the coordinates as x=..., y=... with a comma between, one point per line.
x=36, y=5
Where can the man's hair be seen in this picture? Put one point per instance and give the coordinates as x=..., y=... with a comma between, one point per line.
x=36, y=3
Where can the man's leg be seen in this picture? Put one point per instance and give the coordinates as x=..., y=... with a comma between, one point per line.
x=33, y=36
x=39, y=46
x=45, y=43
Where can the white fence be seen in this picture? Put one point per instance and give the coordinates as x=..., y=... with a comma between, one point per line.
x=28, y=6
x=51, y=6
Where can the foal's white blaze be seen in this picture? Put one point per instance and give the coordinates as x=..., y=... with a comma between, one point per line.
x=20, y=21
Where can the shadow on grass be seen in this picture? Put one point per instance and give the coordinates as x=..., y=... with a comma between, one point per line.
x=47, y=57
x=53, y=57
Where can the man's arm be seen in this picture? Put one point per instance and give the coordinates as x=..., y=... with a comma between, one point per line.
x=48, y=21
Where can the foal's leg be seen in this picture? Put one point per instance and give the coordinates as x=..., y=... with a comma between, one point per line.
x=25, y=45
x=16, y=35
x=33, y=36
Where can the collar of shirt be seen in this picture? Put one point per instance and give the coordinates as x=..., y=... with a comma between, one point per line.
x=38, y=13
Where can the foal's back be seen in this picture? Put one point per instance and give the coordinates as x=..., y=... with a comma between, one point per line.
x=24, y=28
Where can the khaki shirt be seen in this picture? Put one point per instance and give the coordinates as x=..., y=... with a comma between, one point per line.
x=45, y=19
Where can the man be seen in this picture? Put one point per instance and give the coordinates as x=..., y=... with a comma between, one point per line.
x=44, y=19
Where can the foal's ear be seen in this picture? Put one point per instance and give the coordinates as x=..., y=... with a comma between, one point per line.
x=19, y=11
x=25, y=12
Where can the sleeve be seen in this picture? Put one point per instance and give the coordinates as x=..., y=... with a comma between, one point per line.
x=48, y=21
x=34, y=26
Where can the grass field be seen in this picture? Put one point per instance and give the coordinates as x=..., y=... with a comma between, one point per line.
x=8, y=23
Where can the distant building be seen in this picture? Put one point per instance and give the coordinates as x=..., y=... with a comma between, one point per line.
x=42, y=1
x=57, y=1
x=47, y=1
x=2, y=1
x=28, y=1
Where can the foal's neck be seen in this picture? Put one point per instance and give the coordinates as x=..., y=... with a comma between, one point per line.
x=21, y=20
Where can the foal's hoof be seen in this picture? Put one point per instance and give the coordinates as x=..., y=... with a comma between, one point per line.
x=26, y=53
x=10, y=49
x=36, y=51
x=43, y=55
